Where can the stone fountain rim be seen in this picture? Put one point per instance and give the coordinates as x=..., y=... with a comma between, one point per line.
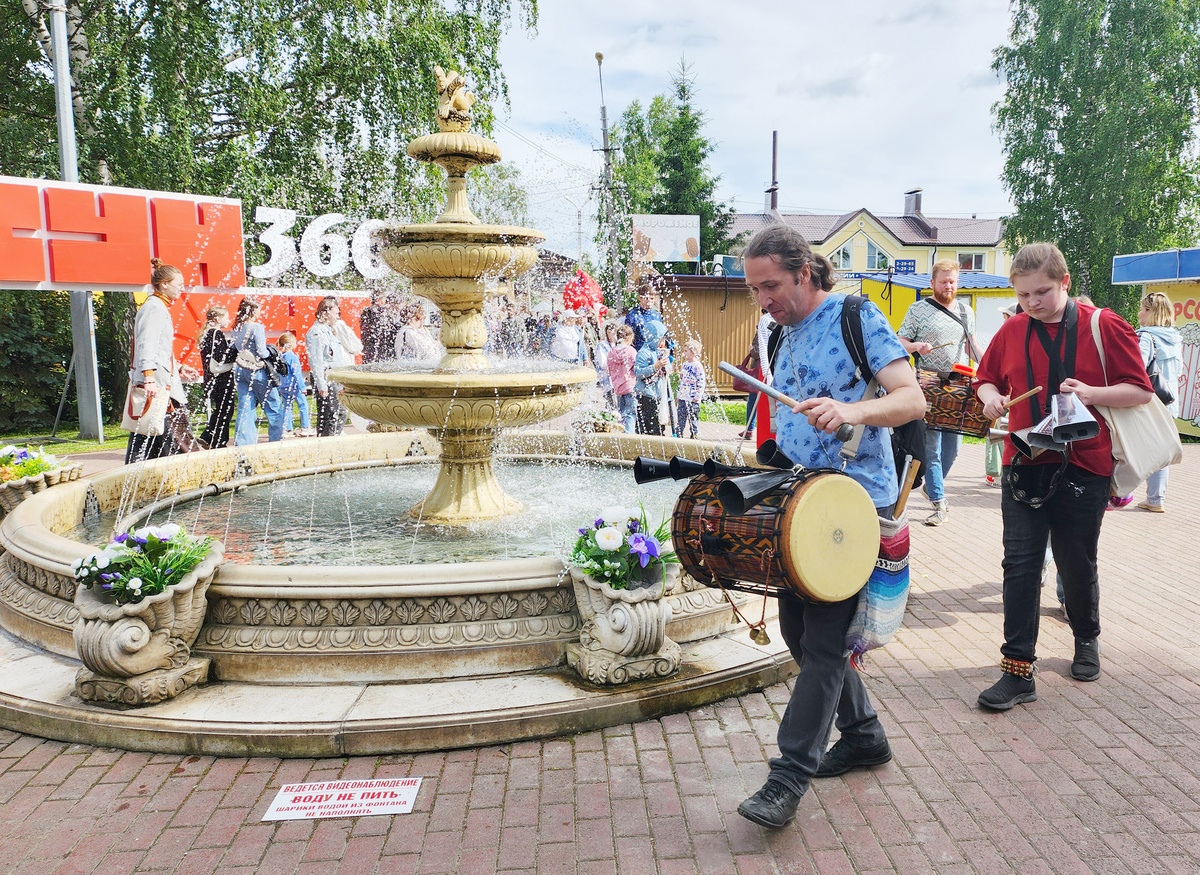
x=468, y=383
x=457, y=234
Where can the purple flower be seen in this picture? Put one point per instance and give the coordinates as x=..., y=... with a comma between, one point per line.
x=599, y=523
x=634, y=525
x=644, y=547
x=121, y=538
x=583, y=530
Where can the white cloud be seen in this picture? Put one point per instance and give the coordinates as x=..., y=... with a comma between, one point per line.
x=870, y=98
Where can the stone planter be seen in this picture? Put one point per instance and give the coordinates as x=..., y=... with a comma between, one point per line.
x=624, y=634
x=140, y=654
x=13, y=492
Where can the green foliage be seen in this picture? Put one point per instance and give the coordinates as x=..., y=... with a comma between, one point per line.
x=620, y=549
x=304, y=103
x=35, y=351
x=731, y=412
x=662, y=167
x=1099, y=126
x=143, y=563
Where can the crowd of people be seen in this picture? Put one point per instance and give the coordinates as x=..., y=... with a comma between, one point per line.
x=246, y=379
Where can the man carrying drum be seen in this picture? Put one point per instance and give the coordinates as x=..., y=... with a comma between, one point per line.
x=813, y=365
x=940, y=331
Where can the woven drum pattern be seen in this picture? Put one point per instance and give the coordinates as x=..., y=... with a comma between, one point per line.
x=951, y=404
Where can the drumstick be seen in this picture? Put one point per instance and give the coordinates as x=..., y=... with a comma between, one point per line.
x=1022, y=397
x=911, y=468
x=844, y=432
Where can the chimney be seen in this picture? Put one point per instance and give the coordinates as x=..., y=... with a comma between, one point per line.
x=912, y=202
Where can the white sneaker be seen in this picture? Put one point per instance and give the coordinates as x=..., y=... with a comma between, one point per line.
x=941, y=511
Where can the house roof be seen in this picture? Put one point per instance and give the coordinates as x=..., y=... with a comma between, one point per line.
x=910, y=230
x=921, y=281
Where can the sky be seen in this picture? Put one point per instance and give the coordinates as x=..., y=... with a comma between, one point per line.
x=870, y=98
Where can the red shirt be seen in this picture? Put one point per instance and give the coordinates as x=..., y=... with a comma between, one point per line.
x=1003, y=366
x=620, y=368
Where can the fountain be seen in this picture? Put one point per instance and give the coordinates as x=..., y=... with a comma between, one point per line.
x=464, y=402
x=339, y=658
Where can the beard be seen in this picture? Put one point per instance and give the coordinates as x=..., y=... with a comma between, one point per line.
x=944, y=298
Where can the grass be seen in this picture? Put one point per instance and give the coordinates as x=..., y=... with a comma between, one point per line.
x=114, y=439
x=733, y=412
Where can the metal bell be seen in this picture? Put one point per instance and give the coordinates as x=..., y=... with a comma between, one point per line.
x=758, y=634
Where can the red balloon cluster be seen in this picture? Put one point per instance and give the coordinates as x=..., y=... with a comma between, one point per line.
x=582, y=292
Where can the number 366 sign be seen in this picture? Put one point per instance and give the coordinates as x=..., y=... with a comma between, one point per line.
x=69, y=236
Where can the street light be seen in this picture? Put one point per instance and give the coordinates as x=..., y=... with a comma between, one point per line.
x=579, y=219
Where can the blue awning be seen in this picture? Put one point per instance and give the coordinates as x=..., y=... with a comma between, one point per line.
x=922, y=281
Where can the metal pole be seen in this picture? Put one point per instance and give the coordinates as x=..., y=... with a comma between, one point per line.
x=614, y=267
x=83, y=323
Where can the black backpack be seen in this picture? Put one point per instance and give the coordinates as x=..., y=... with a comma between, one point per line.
x=907, y=439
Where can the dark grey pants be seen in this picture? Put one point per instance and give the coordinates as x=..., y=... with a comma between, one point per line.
x=827, y=685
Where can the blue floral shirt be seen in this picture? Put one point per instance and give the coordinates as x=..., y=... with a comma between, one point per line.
x=813, y=361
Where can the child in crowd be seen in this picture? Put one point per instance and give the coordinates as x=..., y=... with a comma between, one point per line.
x=691, y=390
x=649, y=367
x=293, y=388
x=620, y=371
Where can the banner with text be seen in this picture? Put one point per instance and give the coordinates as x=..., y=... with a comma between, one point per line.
x=344, y=799
x=666, y=238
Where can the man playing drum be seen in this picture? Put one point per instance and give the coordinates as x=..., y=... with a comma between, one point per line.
x=940, y=331
x=814, y=366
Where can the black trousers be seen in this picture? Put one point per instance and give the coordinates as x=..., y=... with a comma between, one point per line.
x=331, y=416
x=222, y=395
x=1071, y=520
x=647, y=415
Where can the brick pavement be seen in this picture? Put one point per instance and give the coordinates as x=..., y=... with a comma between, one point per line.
x=1099, y=777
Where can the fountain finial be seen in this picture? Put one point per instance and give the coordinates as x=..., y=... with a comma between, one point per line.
x=454, y=101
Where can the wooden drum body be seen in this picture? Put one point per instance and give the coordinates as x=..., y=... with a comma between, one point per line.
x=950, y=403
x=816, y=536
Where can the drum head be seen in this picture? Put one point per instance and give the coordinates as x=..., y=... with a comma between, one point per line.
x=830, y=537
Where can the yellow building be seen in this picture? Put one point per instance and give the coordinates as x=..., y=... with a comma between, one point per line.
x=862, y=242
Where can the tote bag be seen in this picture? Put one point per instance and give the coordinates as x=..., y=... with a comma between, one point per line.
x=1144, y=438
x=141, y=417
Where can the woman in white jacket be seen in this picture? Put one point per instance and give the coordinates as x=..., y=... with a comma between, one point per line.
x=153, y=362
x=331, y=343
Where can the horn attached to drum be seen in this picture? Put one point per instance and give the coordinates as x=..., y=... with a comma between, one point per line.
x=739, y=494
x=647, y=470
x=771, y=456
x=685, y=469
x=713, y=468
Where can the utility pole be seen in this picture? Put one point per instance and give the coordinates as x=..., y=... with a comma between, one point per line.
x=615, y=295
x=773, y=191
x=579, y=220
x=83, y=325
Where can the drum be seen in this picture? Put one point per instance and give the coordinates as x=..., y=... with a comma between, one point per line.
x=816, y=536
x=951, y=404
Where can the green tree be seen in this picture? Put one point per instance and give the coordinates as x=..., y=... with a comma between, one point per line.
x=1099, y=125
x=307, y=104
x=662, y=167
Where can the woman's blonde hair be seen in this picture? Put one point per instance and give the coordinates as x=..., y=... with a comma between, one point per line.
x=214, y=313
x=1039, y=258
x=327, y=304
x=1158, y=305
x=162, y=273
x=286, y=339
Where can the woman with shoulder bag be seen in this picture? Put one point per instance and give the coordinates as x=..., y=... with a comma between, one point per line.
x=218, y=356
x=153, y=374
x=327, y=342
x=253, y=388
x=1161, y=346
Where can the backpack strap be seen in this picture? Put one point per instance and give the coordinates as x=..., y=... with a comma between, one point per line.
x=852, y=336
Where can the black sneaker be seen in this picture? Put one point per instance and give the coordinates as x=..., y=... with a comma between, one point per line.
x=1086, y=666
x=1010, y=690
x=772, y=806
x=844, y=756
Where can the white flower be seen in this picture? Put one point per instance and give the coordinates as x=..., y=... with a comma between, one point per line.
x=76, y=565
x=168, y=531
x=609, y=538
x=100, y=561
x=615, y=515
x=134, y=585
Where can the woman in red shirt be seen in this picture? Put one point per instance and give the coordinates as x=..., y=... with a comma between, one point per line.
x=1055, y=496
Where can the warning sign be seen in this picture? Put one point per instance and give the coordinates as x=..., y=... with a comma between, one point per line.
x=344, y=799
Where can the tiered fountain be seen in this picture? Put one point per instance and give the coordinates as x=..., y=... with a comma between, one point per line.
x=464, y=402
x=340, y=657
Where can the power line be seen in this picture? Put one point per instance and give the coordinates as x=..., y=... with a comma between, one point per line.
x=541, y=149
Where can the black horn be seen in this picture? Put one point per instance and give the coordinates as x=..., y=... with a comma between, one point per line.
x=682, y=469
x=646, y=470
x=771, y=456
x=713, y=468
x=739, y=494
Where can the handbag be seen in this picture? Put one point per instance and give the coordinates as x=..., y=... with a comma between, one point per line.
x=248, y=360
x=1144, y=438
x=744, y=367
x=1157, y=382
x=139, y=416
x=881, y=603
